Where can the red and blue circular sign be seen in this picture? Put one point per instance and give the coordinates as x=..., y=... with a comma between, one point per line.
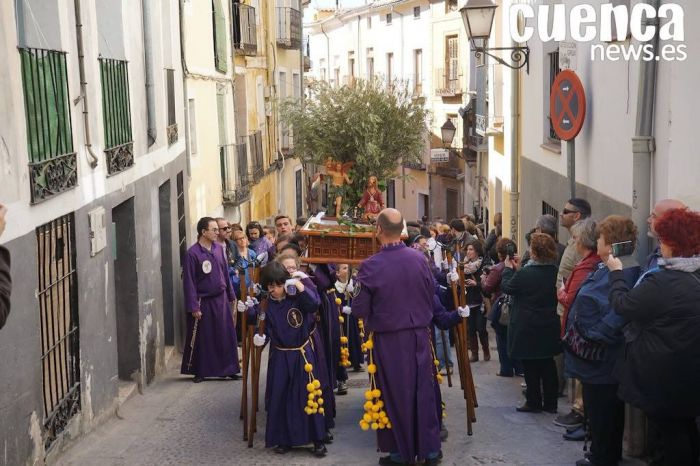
x=567, y=105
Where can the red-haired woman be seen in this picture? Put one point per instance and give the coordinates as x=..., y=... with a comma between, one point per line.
x=660, y=372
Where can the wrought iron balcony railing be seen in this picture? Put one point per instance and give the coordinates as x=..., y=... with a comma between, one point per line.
x=488, y=125
x=288, y=28
x=244, y=35
x=448, y=83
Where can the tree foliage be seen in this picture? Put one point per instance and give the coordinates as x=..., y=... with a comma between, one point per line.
x=367, y=124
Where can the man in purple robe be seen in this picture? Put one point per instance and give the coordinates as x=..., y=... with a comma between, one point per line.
x=208, y=300
x=395, y=299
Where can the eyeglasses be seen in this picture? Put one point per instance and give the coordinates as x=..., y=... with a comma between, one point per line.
x=567, y=211
x=240, y=238
x=214, y=229
x=225, y=228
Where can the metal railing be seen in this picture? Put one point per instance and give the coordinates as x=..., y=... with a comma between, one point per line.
x=447, y=83
x=288, y=28
x=256, y=155
x=450, y=169
x=53, y=166
x=245, y=40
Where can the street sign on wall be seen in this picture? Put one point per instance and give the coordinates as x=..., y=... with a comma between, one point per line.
x=439, y=155
x=567, y=105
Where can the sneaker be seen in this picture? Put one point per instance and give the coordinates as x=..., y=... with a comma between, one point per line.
x=526, y=408
x=570, y=420
x=342, y=388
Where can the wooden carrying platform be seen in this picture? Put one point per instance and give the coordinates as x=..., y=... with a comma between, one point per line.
x=330, y=242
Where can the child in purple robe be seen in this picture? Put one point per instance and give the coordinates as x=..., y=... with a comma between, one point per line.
x=291, y=420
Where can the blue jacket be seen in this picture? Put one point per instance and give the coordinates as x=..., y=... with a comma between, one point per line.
x=597, y=321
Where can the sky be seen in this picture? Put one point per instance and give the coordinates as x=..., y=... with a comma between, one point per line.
x=331, y=3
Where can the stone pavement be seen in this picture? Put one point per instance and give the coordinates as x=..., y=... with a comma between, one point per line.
x=177, y=422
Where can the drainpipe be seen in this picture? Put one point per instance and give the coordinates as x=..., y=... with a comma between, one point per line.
x=514, y=148
x=643, y=146
x=146, y=22
x=185, y=72
x=643, y=143
x=83, y=84
x=328, y=53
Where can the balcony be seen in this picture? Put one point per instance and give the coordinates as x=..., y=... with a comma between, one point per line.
x=450, y=169
x=286, y=141
x=288, y=28
x=415, y=166
x=489, y=125
x=235, y=180
x=447, y=84
x=244, y=35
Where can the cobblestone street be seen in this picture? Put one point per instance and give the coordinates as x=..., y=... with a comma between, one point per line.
x=178, y=422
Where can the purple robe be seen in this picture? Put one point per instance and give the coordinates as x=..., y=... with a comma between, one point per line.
x=395, y=299
x=286, y=394
x=216, y=346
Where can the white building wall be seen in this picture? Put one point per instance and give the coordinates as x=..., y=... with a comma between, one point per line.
x=92, y=183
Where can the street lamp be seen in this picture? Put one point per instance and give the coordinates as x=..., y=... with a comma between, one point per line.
x=448, y=131
x=478, y=21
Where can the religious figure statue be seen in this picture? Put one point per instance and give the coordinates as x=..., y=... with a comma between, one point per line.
x=371, y=201
x=338, y=172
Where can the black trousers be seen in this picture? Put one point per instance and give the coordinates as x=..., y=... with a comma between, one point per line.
x=678, y=440
x=605, y=413
x=541, y=372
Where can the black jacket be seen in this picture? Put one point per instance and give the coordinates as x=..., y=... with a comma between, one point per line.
x=5, y=285
x=533, y=332
x=660, y=368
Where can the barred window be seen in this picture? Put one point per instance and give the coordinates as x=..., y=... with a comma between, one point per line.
x=52, y=160
x=116, y=113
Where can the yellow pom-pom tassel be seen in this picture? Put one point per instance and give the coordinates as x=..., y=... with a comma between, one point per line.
x=338, y=301
x=368, y=405
x=320, y=401
x=367, y=417
x=369, y=344
x=372, y=368
x=310, y=387
x=317, y=384
x=344, y=340
x=308, y=367
x=375, y=426
x=368, y=395
x=364, y=425
x=376, y=393
x=321, y=410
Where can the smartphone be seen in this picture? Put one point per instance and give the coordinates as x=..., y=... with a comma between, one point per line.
x=622, y=249
x=510, y=250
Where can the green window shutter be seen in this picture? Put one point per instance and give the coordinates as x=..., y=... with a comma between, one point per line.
x=45, y=83
x=219, y=36
x=116, y=110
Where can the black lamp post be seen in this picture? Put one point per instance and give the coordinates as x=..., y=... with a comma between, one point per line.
x=448, y=131
x=478, y=21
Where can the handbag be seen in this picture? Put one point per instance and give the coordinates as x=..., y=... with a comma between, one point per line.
x=582, y=347
x=504, y=303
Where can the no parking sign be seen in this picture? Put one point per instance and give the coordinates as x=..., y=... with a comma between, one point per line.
x=567, y=105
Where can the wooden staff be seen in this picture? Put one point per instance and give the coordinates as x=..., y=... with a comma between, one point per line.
x=458, y=348
x=246, y=356
x=255, y=379
x=192, y=342
x=463, y=328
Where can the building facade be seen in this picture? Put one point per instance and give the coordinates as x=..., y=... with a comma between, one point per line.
x=94, y=176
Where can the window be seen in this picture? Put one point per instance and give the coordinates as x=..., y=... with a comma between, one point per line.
x=417, y=72
x=369, y=22
x=416, y=12
x=452, y=63
x=336, y=77
x=547, y=209
x=450, y=5
x=219, y=26
x=391, y=194
x=49, y=129
x=245, y=39
x=116, y=115
x=554, y=70
x=323, y=74
x=172, y=122
x=388, y=18
x=299, y=193
x=370, y=63
x=389, y=69
x=283, y=127
x=193, y=126
x=351, y=64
